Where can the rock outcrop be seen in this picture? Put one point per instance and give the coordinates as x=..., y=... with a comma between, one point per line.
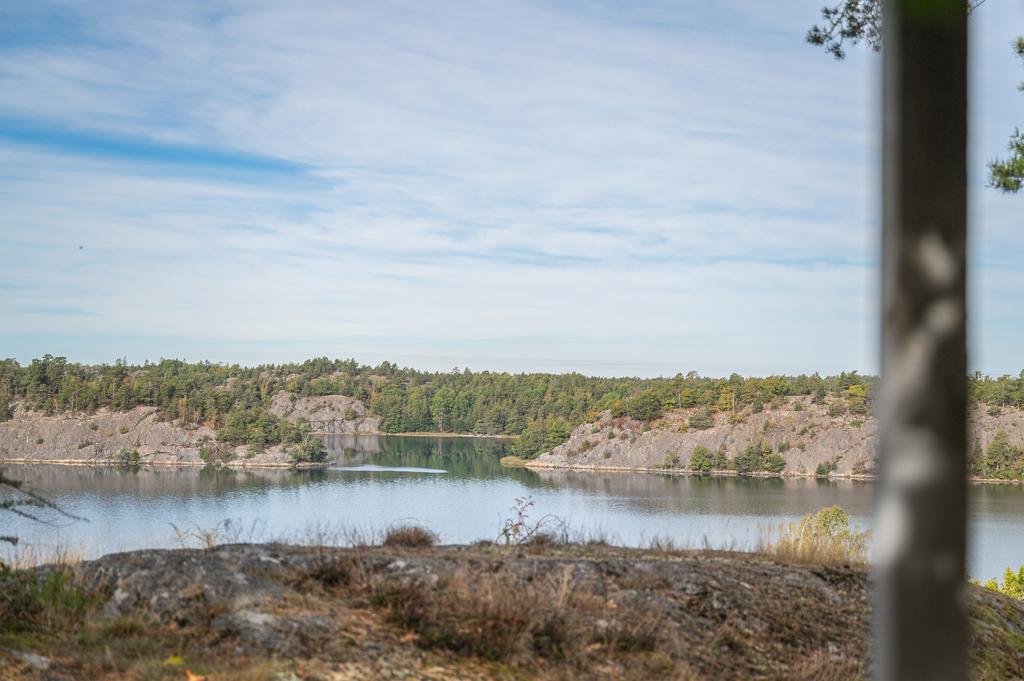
x=139, y=436
x=485, y=612
x=327, y=414
x=808, y=438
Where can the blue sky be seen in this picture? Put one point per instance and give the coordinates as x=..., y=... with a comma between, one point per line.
x=609, y=187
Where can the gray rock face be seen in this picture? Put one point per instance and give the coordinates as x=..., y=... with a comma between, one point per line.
x=327, y=414
x=114, y=437
x=99, y=438
x=806, y=438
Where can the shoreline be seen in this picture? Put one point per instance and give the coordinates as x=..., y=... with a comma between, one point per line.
x=436, y=434
x=684, y=472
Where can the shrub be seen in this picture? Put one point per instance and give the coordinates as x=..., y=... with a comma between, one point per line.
x=722, y=460
x=836, y=408
x=350, y=414
x=702, y=420
x=123, y=430
x=644, y=407
x=753, y=459
x=702, y=459
x=409, y=536
x=774, y=463
x=1012, y=584
x=823, y=469
x=41, y=598
x=311, y=450
x=540, y=436
x=994, y=410
x=798, y=405
x=128, y=457
x=39, y=440
x=822, y=538
x=94, y=426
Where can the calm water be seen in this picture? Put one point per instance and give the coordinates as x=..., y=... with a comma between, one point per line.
x=457, y=487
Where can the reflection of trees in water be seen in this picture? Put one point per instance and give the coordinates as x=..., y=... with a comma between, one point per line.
x=104, y=481
x=657, y=494
x=460, y=457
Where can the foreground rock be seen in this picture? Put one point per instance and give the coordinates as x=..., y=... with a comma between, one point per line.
x=479, y=612
x=811, y=440
x=139, y=436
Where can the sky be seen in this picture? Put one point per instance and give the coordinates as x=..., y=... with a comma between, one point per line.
x=617, y=188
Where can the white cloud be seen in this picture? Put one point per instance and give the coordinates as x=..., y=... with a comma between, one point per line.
x=484, y=184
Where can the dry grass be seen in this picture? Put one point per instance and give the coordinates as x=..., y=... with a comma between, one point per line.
x=524, y=622
x=409, y=536
x=822, y=538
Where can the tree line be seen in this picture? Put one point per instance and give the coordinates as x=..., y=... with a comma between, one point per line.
x=540, y=407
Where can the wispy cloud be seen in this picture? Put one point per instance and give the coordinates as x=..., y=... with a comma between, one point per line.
x=586, y=185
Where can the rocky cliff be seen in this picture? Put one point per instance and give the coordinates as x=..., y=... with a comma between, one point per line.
x=327, y=414
x=807, y=436
x=139, y=436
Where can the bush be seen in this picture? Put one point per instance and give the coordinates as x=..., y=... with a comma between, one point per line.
x=540, y=436
x=702, y=459
x=644, y=407
x=311, y=450
x=822, y=538
x=1012, y=585
x=41, y=598
x=823, y=469
x=836, y=408
x=774, y=463
x=702, y=420
x=128, y=457
x=409, y=536
x=754, y=458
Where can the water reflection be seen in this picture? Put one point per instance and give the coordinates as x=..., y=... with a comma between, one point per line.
x=458, y=487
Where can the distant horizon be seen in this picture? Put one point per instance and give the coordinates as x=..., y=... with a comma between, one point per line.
x=474, y=369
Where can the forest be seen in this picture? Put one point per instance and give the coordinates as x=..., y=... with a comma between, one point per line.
x=541, y=408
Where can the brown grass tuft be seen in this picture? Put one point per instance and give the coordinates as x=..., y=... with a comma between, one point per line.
x=409, y=536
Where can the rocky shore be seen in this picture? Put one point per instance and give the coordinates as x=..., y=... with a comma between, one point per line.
x=809, y=439
x=467, y=612
x=141, y=437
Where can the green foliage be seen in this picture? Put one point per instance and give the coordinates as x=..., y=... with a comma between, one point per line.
x=702, y=420
x=310, y=450
x=758, y=457
x=837, y=408
x=825, y=468
x=702, y=459
x=35, y=599
x=1007, y=175
x=541, y=436
x=824, y=537
x=128, y=457
x=1001, y=460
x=644, y=407
x=774, y=463
x=1012, y=584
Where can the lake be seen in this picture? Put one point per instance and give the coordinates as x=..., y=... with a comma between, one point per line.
x=457, y=487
